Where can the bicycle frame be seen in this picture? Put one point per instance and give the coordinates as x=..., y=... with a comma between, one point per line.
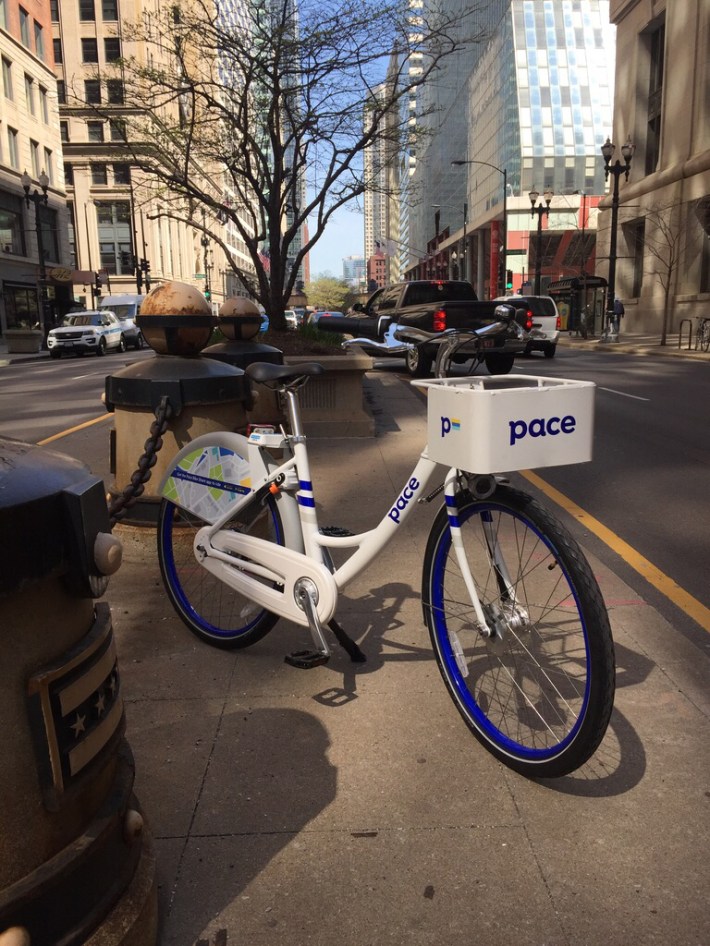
x=367, y=545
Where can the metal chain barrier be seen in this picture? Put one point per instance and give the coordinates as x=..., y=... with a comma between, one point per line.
x=121, y=503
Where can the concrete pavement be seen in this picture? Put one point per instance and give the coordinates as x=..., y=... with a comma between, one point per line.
x=349, y=805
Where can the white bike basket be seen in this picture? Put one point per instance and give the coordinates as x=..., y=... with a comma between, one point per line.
x=517, y=422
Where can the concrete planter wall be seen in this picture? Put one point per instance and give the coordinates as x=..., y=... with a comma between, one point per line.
x=332, y=405
x=23, y=340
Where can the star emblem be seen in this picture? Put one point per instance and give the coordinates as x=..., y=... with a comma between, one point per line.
x=100, y=703
x=78, y=725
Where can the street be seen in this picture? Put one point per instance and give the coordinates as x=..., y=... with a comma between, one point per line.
x=646, y=483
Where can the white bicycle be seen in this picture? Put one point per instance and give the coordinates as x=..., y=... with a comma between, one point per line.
x=516, y=618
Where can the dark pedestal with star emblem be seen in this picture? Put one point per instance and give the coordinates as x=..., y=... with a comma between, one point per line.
x=76, y=860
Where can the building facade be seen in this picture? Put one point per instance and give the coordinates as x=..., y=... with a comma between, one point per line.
x=661, y=107
x=525, y=110
x=33, y=241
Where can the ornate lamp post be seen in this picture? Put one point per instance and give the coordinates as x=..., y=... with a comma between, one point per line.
x=503, y=263
x=542, y=210
x=204, y=241
x=616, y=169
x=38, y=200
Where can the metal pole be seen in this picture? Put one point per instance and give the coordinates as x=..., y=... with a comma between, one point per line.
x=538, y=252
x=611, y=290
x=505, y=231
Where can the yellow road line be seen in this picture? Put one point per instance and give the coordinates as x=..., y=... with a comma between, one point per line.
x=73, y=430
x=660, y=581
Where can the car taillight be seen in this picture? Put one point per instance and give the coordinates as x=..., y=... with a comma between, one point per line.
x=440, y=320
x=528, y=320
x=558, y=323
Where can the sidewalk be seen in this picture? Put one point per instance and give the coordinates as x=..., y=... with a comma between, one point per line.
x=349, y=805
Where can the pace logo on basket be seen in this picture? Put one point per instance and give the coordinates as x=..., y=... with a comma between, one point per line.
x=541, y=427
x=448, y=424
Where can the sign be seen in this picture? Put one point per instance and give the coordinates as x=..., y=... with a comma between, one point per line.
x=199, y=276
x=60, y=274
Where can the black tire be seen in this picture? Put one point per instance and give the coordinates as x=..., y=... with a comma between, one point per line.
x=499, y=364
x=138, y=344
x=122, y=344
x=549, y=351
x=419, y=362
x=213, y=611
x=101, y=347
x=56, y=355
x=539, y=696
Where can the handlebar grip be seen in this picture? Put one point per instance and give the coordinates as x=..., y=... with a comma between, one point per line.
x=347, y=326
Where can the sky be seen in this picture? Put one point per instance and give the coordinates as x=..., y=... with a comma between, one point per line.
x=344, y=236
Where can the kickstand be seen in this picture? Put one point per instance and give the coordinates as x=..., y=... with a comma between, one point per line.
x=347, y=643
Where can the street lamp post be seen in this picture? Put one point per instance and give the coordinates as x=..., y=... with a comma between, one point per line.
x=503, y=264
x=205, y=248
x=616, y=169
x=38, y=200
x=542, y=210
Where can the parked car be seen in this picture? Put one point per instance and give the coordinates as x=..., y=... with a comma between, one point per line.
x=95, y=332
x=539, y=317
x=291, y=318
x=126, y=307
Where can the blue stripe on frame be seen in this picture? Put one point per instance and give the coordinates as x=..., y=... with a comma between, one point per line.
x=306, y=501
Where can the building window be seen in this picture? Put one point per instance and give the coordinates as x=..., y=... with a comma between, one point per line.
x=30, y=94
x=44, y=104
x=112, y=48
x=13, y=152
x=92, y=91
x=72, y=235
x=54, y=10
x=87, y=12
x=637, y=235
x=114, y=88
x=89, y=50
x=57, y=47
x=69, y=175
x=98, y=174
x=49, y=164
x=114, y=226
x=7, y=78
x=95, y=131
x=3, y=14
x=34, y=157
x=109, y=9
x=122, y=174
x=39, y=41
x=61, y=92
x=657, y=43
x=12, y=233
x=64, y=132
x=117, y=130
x=25, y=27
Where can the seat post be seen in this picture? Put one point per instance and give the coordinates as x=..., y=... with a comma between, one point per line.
x=294, y=414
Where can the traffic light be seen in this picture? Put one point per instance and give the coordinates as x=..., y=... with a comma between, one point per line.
x=208, y=294
x=127, y=262
x=509, y=279
x=97, y=284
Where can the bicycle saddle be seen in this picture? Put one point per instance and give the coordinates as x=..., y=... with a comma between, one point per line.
x=263, y=372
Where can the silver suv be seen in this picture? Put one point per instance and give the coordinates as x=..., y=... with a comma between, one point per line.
x=539, y=317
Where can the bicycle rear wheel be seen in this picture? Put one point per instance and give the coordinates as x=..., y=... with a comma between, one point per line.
x=539, y=694
x=705, y=335
x=211, y=609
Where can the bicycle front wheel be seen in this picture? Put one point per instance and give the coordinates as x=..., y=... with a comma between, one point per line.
x=538, y=693
x=705, y=335
x=211, y=609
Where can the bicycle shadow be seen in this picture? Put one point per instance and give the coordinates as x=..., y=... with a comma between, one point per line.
x=380, y=610
x=618, y=765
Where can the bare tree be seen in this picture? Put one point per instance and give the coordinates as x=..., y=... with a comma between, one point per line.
x=663, y=242
x=264, y=124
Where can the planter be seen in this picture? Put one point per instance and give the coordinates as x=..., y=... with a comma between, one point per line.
x=23, y=340
x=332, y=405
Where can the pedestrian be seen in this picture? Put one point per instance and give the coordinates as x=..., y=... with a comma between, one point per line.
x=618, y=314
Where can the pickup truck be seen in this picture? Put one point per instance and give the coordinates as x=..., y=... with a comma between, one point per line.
x=539, y=317
x=434, y=306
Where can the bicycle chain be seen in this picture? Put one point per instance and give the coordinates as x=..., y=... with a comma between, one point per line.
x=135, y=489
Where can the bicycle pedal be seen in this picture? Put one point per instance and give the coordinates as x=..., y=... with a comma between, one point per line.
x=305, y=659
x=335, y=532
